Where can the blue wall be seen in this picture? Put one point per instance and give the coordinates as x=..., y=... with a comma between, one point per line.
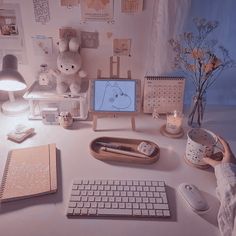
x=224, y=90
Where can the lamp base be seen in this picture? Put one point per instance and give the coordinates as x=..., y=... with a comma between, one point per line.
x=16, y=107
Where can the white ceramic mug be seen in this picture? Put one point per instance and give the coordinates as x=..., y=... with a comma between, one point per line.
x=201, y=143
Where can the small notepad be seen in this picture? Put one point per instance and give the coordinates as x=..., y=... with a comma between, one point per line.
x=29, y=172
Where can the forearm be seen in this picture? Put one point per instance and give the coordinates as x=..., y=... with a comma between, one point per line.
x=226, y=191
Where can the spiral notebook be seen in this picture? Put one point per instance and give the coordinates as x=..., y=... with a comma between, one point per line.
x=29, y=172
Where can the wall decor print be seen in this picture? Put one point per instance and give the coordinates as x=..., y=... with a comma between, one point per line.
x=97, y=10
x=89, y=39
x=41, y=11
x=69, y=3
x=67, y=33
x=42, y=45
x=11, y=32
x=131, y=6
x=121, y=47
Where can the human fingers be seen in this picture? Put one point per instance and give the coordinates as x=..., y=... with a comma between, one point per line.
x=210, y=161
x=226, y=146
x=228, y=154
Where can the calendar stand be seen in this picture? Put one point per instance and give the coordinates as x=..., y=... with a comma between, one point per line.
x=114, y=74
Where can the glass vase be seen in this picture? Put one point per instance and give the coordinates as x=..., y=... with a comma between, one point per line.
x=197, y=110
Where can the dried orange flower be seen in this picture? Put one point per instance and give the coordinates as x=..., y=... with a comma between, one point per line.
x=200, y=57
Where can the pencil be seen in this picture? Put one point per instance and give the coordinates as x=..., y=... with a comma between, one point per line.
x=135, y=154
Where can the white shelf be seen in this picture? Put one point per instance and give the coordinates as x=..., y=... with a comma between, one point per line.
x=40, y=96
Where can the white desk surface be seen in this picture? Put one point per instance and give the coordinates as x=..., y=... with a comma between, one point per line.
x=45, y=215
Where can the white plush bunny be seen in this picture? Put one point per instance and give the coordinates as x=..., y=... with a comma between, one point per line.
x=69, y=64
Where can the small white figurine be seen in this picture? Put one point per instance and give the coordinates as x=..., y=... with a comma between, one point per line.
x=65, y=119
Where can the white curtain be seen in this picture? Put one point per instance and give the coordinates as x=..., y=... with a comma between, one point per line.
x=169, y=17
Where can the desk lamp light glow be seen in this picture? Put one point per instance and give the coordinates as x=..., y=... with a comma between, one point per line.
x=11, y=80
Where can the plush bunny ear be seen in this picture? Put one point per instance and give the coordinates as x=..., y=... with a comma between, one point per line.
x=63, y=45
x=74, y=44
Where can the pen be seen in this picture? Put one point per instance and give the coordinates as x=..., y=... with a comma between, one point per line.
x=135, y=154
x=115, y=146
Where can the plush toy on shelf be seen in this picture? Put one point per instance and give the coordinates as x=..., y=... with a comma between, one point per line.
x=69, y=73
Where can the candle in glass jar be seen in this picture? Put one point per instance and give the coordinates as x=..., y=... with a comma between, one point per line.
x=174, y=122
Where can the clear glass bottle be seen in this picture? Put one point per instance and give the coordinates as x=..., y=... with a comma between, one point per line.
x=43, y=76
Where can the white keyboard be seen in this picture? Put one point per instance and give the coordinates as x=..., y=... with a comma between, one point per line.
x=132, y=198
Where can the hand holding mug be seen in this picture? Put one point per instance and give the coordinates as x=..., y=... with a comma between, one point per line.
x=228, y=156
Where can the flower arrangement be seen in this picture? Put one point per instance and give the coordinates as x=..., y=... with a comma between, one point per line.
x=202, y=59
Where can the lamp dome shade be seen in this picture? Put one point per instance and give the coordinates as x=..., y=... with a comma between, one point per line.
x=10, y=78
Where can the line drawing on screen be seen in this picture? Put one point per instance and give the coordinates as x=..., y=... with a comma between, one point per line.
x=114, y=96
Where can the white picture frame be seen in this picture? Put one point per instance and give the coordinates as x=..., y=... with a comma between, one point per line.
x=11, y=32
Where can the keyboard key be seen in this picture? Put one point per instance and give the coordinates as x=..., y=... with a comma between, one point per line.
x=70, y=211
x=91, y=182
x=91, y=199
x=125, y=199
x=166, y=213
x=84, y=211
x=74, y=187
x=118, y=199
x=159, y=213
x=158, y=200
x=76, y=211
x=114, y=205
x=121, y=205
x=94, y=187
x=137, y=213
x=80, y=204
x=152, y=212
x=145, y=213
x=77, y=182
x=101, y=205
x=75, y=198
x=120, y=188
x=86, y=204
x=113, y=212
x=142, y=206
x=75, y=192
x=135, y=206
x=107, y=205
x=72, y=204
x=92, y=212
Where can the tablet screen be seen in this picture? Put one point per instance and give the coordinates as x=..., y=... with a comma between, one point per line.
x=114, y=95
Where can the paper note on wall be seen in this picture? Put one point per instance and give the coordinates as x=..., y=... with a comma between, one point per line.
x=67, y=33
x=89, y=39
x=69, y=3
x=131, y=6
x=121, y=47
x=41, y=11
x=42, y=45
x=97, y=10
x=11, y=32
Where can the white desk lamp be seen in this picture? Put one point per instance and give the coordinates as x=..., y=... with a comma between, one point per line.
x=11, y=80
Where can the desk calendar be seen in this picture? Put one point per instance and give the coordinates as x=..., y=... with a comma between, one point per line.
x=165, y=94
